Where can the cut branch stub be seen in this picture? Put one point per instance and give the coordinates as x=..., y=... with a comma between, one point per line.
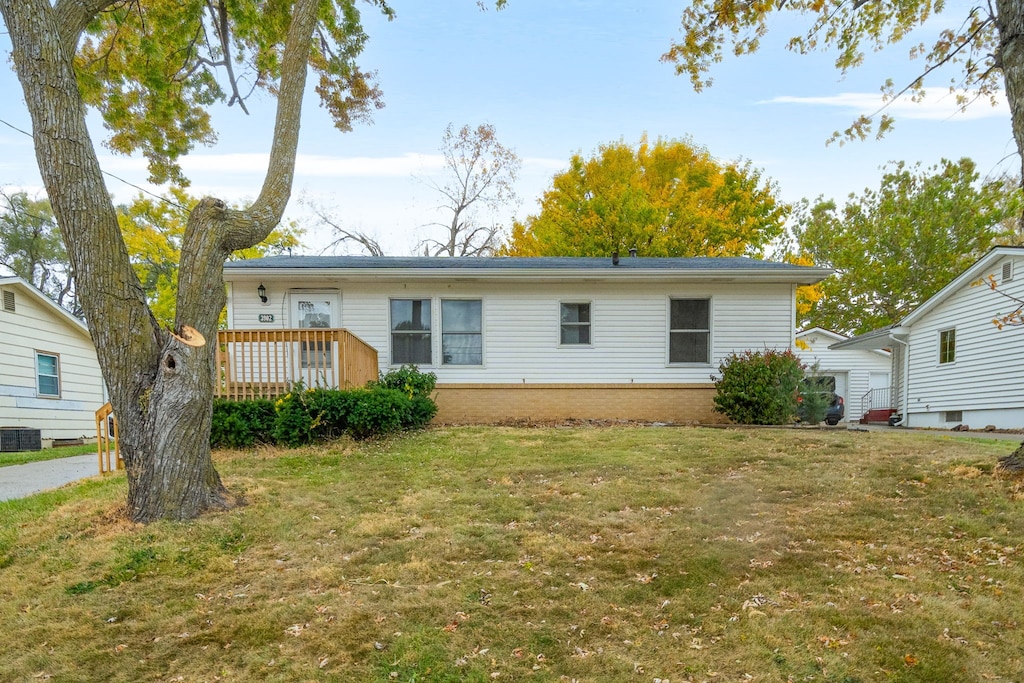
x=190, y=336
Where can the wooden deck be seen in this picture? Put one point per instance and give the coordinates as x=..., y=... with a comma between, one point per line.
x=267, y=363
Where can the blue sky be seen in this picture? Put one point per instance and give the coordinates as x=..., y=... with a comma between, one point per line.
x=554, y=79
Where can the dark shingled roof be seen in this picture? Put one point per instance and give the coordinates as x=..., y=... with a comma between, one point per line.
x=509, y=263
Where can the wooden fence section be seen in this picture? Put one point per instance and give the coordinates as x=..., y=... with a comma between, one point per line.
x=265, y=363
x=107, y=445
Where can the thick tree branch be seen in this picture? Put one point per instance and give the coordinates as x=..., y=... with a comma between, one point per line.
x=73, y=16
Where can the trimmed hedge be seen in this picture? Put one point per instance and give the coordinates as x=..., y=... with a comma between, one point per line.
x=399, y=400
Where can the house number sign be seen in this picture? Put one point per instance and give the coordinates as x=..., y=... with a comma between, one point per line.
x=266, y=317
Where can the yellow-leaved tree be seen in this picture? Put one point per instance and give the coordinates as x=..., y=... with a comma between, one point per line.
x=153, y=229
x=667, y=198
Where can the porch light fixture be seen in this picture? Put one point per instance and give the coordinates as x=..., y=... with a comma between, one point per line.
x=262, y=291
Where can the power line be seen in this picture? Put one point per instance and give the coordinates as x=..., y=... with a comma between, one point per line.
x=106, y=173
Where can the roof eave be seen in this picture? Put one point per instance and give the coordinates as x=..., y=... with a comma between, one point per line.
x=807, y=276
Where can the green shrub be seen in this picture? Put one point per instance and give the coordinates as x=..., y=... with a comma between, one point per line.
x=297, y=419
x=400, y=400
x=814, y=399
x=379, y=410
x=410, y=381
x=759, y=387
x=331, y=408
x=241, y=424
x=421, y=411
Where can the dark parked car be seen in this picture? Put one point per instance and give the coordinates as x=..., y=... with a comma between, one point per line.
x=835, y=409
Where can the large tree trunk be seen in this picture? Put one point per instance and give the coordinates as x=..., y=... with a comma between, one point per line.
x=160, y=385
x=1010, y=20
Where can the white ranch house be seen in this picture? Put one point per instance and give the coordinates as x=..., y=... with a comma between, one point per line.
x=49, y=377
x=861, y=377
x=951, y=365
x=510, y=338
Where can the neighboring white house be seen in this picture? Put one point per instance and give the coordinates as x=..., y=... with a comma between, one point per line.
x=861, y=377
x=535, y=338
x=49, y=377
x=951, y=364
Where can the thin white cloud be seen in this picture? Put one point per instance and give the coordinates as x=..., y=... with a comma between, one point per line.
x=307, y=165
x=938, y=104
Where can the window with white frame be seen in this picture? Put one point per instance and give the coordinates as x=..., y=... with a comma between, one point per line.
x=574, y=323
x=462, y=332
x=947, y=346
x=410, y=332
x=48, y=374
x=689, y=336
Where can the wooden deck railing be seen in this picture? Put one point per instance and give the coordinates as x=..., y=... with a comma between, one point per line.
x=107, y=444
x=265, y=363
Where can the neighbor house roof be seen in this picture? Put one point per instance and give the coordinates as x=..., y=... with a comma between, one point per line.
x=874, y=340
x=883, y=337
x=27, y=288
x=627, y=268
x=979, y=269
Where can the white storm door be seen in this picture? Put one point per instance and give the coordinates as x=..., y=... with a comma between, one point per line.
x=314, y=355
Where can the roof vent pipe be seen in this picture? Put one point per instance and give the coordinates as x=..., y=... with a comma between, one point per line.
x=632, y=252
x=615, y=258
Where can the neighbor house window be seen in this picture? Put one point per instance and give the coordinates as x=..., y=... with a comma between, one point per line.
x=48, y=374
x=574, y=319
x=947, y=346
x=410, y=332
x=689, y=336
x=462, y=332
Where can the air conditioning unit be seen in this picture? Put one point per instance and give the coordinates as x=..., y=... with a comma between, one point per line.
x=20, y=439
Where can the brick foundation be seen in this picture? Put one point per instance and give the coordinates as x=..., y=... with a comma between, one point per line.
x=489, y=403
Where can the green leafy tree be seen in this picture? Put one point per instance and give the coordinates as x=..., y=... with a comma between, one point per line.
x=984, y=41
x=31, y=247
x=669, y=198
x=153, y=229
x=151, y=68
x=894, y=247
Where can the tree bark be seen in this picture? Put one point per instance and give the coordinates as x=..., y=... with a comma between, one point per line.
x=1010, y=20
x=1014, y=462
x=161, y=387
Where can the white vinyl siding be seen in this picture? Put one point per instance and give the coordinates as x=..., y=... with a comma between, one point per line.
x=34, y=326
x=520, y=339
x=982, y=383
x=856, y=365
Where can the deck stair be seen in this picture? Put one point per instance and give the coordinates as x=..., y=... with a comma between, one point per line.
x=877, y=416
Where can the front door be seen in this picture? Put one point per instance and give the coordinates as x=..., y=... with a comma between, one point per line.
x=314, y=354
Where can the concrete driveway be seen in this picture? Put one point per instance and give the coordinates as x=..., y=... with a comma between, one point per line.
x=18, y=481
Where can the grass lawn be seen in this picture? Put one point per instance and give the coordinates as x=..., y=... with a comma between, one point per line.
x=546, y=554
x=22, y=457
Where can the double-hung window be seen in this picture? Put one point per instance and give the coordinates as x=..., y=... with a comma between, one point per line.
x=574, y=322
x=947, y=346
x=48, y=374
x=462, y=332
x=410, y=332
x=689, y=335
